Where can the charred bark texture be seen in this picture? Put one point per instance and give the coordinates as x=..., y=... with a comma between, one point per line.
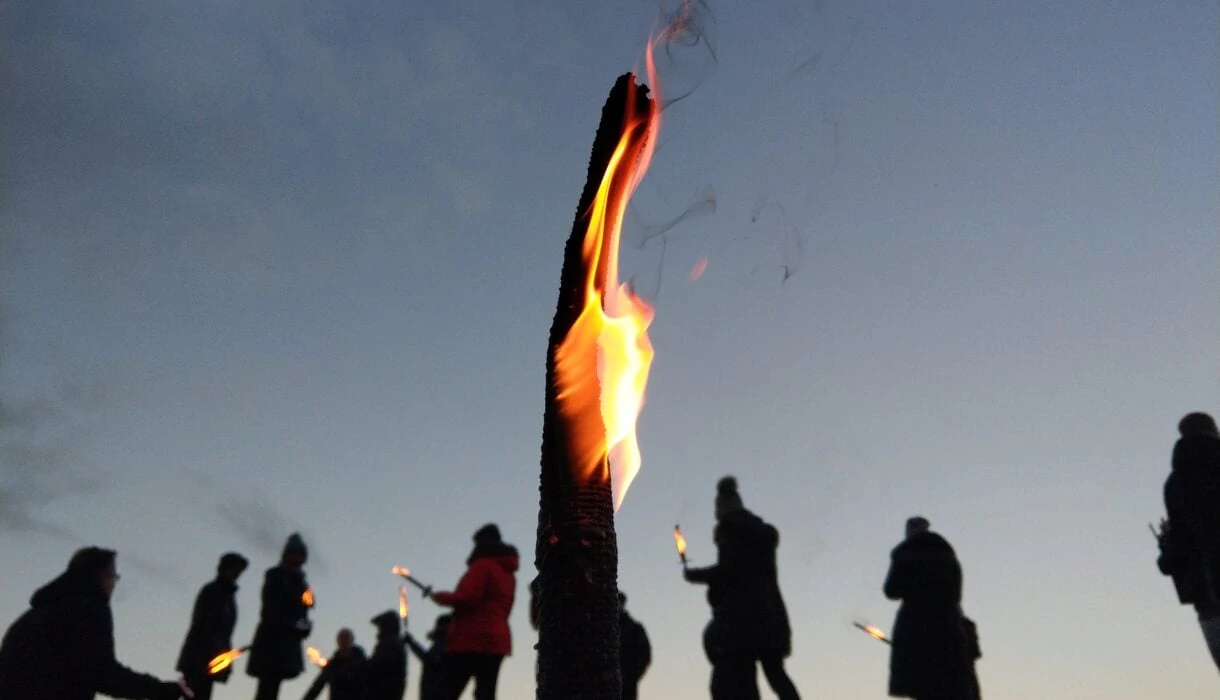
x=577, y=552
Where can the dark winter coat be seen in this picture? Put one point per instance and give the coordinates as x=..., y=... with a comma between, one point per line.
x=635, y=652
x=345, y=673
x=929, y=655
x=748, y=612
x=284, y=623
x=211, y=630
x=432, y=667
x=1191, y=547
x=482, y=602
x=387, y=669
x=62, y=648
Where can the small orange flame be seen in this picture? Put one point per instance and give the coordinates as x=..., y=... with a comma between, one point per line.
x=403, y=608
x=307, y=597
x=224, y=660
x=875, y=632
x=315, y=657
x=679, y=541
x=700, y=268
x=400, y=571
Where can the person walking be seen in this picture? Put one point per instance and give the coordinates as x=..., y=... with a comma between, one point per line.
x=211, y=632
x=1190, y=538
x=635, y=651
x=929, y=654
x=62, y=648
x=749, y=618
x=479, y=635
x=275, y=654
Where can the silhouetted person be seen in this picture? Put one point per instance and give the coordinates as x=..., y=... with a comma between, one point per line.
x=62, y=648
x=211, y=630
x=345, y=672
x=929, y=657
x=635, y=652
x=479, y=636
x=432, y=659
x=387, y=669
x=1190, y=540
x=749, y=619
x=275, y=655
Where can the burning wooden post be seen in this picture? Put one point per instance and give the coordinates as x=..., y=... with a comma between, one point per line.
x=597, y=363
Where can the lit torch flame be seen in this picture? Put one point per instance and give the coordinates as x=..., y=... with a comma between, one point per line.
x=874, y=632
x=400, y=571
x=315, y=657
x=307, y=597
x=614, y=320
x=403, y=608
x=225, y=660
x=680, y=543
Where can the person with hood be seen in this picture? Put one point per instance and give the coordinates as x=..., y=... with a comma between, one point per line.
x=211, y=630
x=929, y=655
x=1190, y=538
x=275, y=654
x=635, y=652
x=62, y=648
x=479, y=635
x=387, y=668
x=345, y=672
x=749, y=619
x=432, y=659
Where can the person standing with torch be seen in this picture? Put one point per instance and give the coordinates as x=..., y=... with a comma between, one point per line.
x=749, y=619
x=211, y=632
x=276, y=655
x=930, y=649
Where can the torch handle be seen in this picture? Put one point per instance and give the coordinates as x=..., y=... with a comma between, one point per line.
x=418, y=584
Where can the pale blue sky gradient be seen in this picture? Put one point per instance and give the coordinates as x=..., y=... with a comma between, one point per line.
x=306, y=255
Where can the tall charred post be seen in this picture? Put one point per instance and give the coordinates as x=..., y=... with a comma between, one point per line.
x=577, y=551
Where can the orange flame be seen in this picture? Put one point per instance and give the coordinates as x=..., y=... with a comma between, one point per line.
x=699, y=269
x=679, y=541
x=315, y=657
x=875, y=632
x=307, y=597
x=403, y=608
x=614, y=320
x=224, y=660
x=400, y=571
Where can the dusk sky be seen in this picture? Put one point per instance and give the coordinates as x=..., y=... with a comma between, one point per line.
x=284, y=265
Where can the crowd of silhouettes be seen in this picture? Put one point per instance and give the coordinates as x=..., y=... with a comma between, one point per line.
x=62, y=647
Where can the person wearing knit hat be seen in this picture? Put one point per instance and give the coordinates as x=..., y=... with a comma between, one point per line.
x=276, y=654
x=930, y=655
x=749, y=618
x=1190, y=537
x=211, y=632
x=479, y=635
x=387, y=667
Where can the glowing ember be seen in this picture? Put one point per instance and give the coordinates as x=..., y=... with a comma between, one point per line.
x=307, y=597
x=315, y=657
x=614, y=320
x=700, y=268
x=403, y=608
x=224, y=660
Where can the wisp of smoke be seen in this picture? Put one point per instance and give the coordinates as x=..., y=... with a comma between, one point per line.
x=261, y=525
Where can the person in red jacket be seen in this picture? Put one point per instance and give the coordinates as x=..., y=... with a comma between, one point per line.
x=479, y=636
